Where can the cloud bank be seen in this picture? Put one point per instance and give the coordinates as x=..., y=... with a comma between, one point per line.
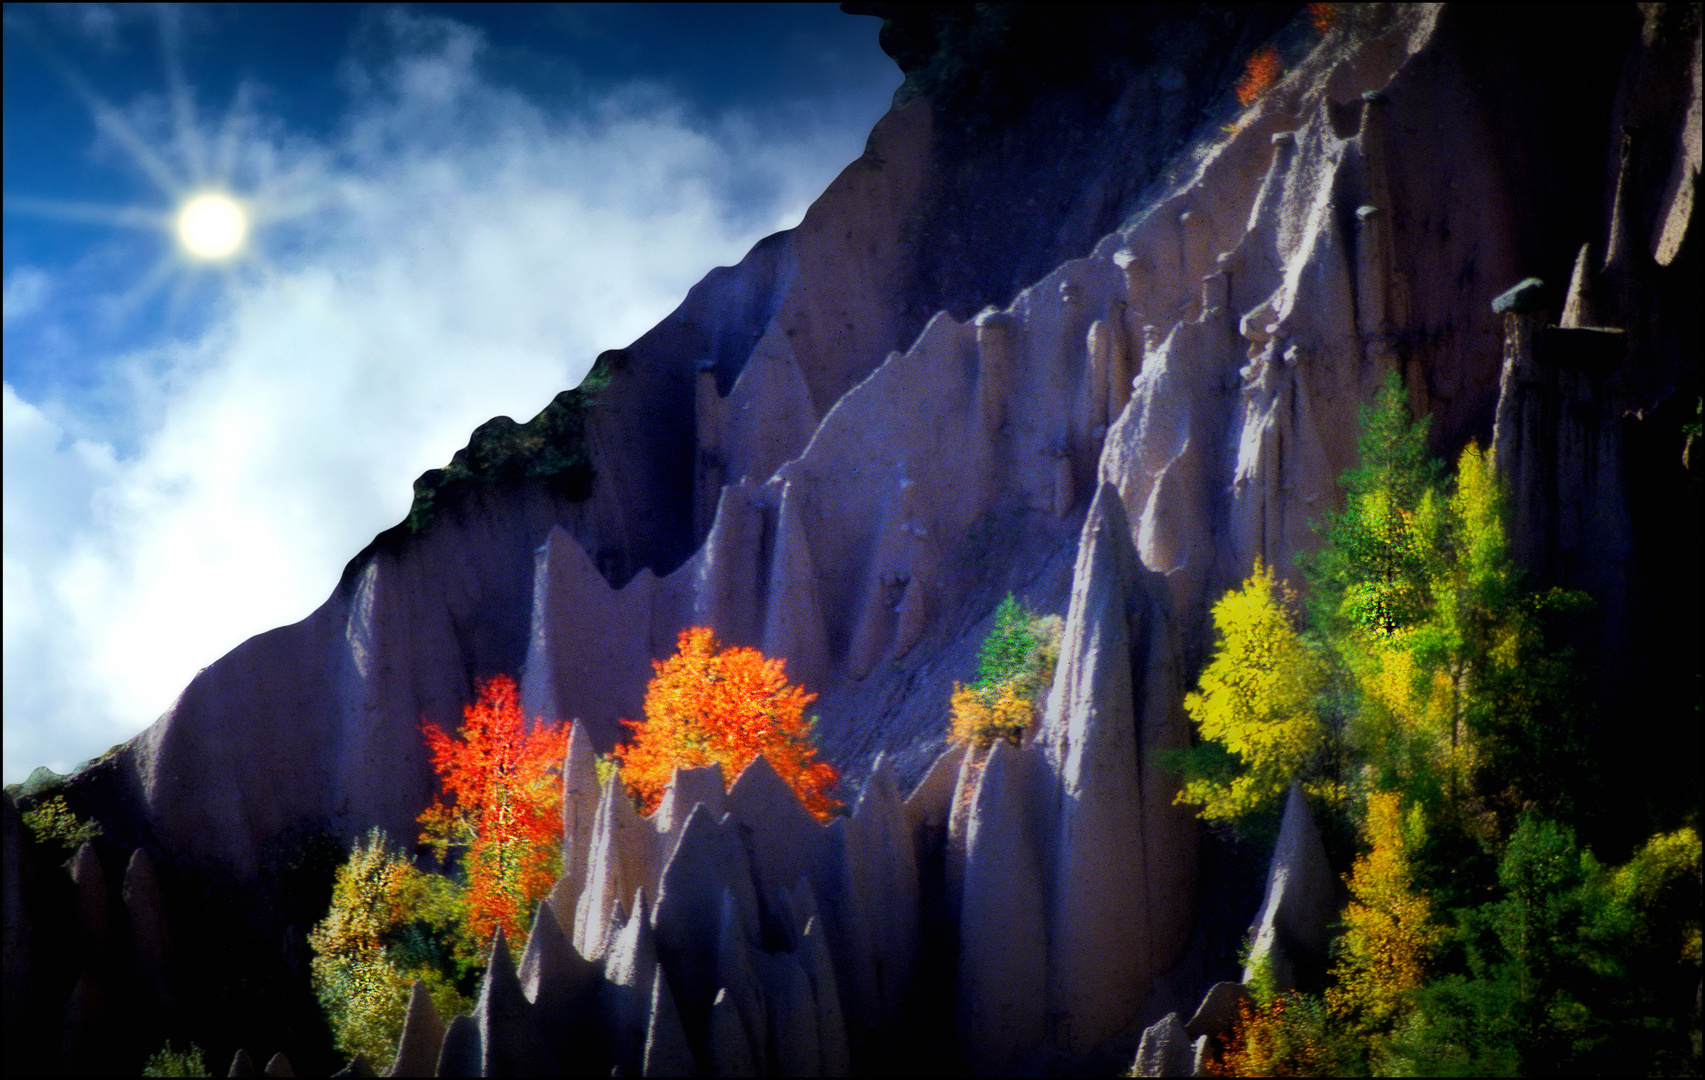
x=455, y=252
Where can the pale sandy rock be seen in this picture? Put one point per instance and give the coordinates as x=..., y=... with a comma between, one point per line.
x=1201, y=1056
x=931, y=803
x=1165, y=1050
x=793, y=1041
x=666, y=1050
x=883, y=873
x=708, y=863
x=794, y=626
x=1124, y=857
x=624, y=857
x=590, y=648
x=1301, y=898
x=687, y=789
x=625, y=997
x=460, y=1055
x=422, y=1038
x=782, y=840
x=579, y=808
x=730, y=1044
x=729, y=585
x=959, y=826
x=1003, y=953
x=509, y=1042
x=813, y=954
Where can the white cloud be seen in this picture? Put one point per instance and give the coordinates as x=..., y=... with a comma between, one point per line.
x=25, y=289
x=470, y=255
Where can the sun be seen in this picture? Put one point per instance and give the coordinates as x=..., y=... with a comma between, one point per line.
x=211, y=225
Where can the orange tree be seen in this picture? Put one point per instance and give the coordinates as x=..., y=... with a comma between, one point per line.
x=727, y=706
x=500, y=807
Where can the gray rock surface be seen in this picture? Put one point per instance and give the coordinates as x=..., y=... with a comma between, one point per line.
x=1218, y=1010
x=510, y=1044
x=1301, y=898
x=1123, y=855
x=666, y=1050
x=625, y=998
x=730, y=1042
x=460, y=1055
x=562, y=986
x=422, y=1037
x=709, y=863
x=1003, y=943
x=1165, y=1050
x=623, y=859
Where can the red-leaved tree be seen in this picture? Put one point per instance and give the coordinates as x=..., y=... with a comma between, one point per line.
x=727, y=706
x=500, y=807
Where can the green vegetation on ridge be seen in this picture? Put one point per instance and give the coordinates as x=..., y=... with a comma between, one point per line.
x=1423, y=698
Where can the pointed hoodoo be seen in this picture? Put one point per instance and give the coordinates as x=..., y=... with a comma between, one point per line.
x=783, y=842
x=727, y=595
x=708, y=862
x=623, y=858
x=460, y=1054
x=813, y=953
x=730, y=1045
x=579, y=806
x=1578, y=308
x=737, y=981
x=561, y=984
x=1300, y=900
x=1123, y=859
x=793, y=1042
x=1003, y=957
x=625, y=997
x=794, y=626
x=509, y=1043
x=666, y=1050
x=422, y=1038
x=687, y=789
x=882, y=871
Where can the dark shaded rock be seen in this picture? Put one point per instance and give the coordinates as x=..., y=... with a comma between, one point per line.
x=460, y=1055
x=242, y=1065
x=357, y=1067
x=509, y=1043
x=1524, y=297
x=279, y=1065
x=1218, y=1010
x=666, y=1050
x=422, y=1038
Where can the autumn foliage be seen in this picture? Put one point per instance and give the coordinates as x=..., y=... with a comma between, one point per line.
x=1261, y=72
x=723, y=705
x=501, y=806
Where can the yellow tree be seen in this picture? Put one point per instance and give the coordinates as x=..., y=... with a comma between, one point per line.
x=1388, y=934
x=1255, y=707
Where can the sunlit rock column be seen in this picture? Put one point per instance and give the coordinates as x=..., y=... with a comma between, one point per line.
x=1124, y=856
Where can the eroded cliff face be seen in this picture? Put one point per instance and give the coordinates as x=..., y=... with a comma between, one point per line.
x=1141, y=369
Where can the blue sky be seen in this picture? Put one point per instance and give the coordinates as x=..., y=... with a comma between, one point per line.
x=452, y=209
